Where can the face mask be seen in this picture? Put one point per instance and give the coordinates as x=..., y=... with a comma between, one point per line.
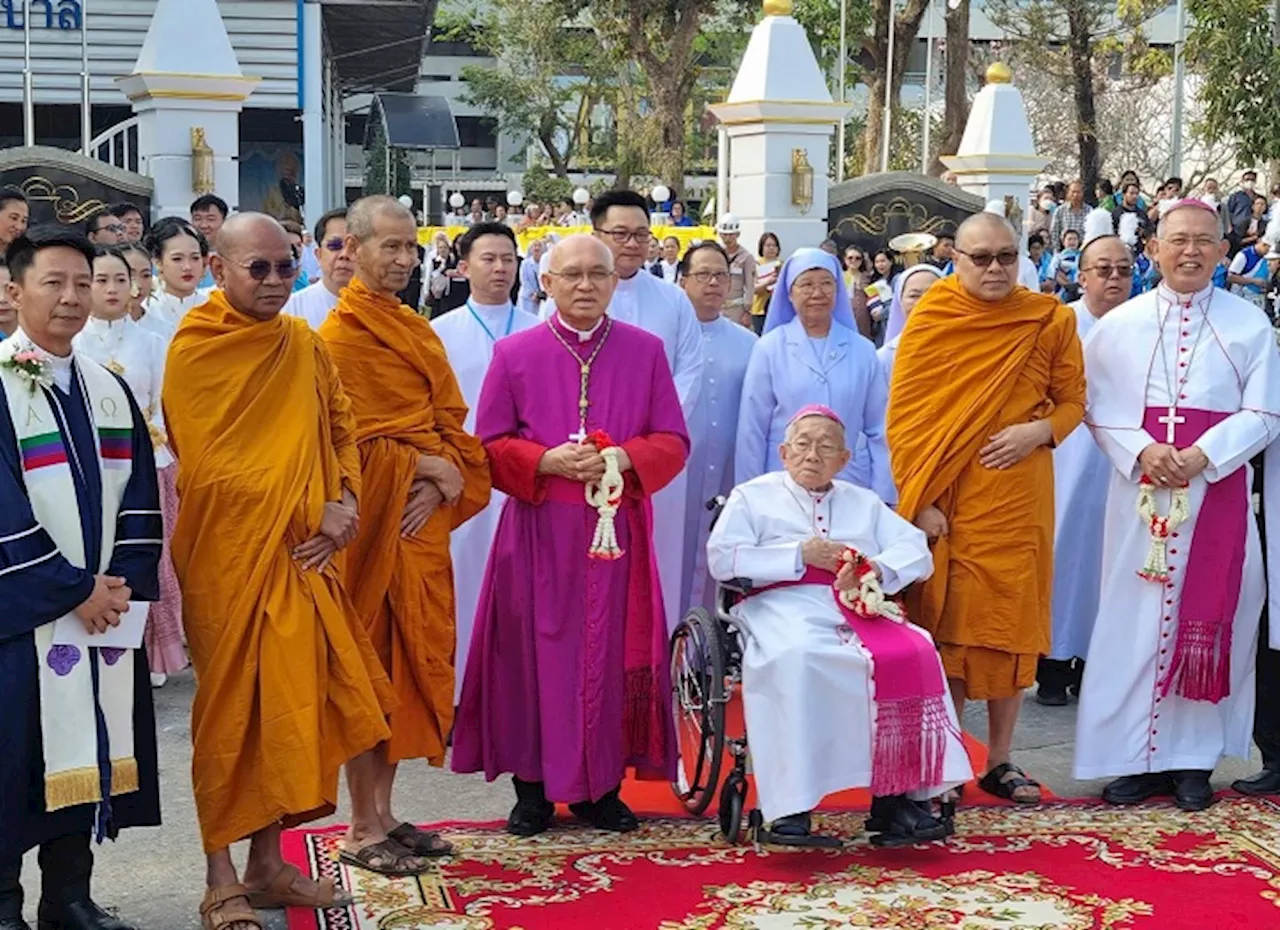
x=1246, y=185
x=1046, y=204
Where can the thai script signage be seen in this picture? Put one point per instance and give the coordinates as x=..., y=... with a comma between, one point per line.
x=58, y=14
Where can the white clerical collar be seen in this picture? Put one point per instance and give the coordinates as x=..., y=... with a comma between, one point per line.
x=628, y=283
x=59, y=365
x=708, y=324
x=584, y=335
x=816, y=496
x=1184, y=300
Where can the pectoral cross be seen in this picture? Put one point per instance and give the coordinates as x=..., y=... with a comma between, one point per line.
x=579, y=437
x=1171, y=421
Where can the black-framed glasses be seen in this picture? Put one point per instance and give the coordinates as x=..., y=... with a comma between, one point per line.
x=708, y=277
x=1104, y=270
x=595, y=277
x=1005, y=257
x=260, y=269
x=620, y=236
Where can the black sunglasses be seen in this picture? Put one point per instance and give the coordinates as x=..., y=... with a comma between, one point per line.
x=260, y=269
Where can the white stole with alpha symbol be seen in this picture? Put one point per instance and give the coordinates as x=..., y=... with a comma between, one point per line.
x=68, y=703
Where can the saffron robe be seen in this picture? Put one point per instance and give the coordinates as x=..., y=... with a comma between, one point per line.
x=1015, y=361
x=406, y=403
x=37, y=586
x=665, y=311
x=468, y=334
x=1080, y=475
x=807, y=683
x=560, y=687
x=288, y=688
x=1127, y=724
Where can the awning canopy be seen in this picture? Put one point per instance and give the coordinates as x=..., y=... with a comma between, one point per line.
x=378, y=44
x=413, y=121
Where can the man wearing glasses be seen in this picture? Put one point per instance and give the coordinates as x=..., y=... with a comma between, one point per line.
x=621, y=221
x=1184, y=389
x=104, y=228
x=1080, y=473
x=988, y=377
x=314, y=301
x=270, y=471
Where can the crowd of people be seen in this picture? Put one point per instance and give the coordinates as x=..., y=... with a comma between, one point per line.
x=377, y=532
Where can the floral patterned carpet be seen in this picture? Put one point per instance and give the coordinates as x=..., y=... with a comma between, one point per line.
x=1062, y=866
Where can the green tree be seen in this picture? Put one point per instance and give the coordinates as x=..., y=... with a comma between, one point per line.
x=1234, y=45
x=885, y=72
x=542, y=187
x=375, y=166
x=1074, y=41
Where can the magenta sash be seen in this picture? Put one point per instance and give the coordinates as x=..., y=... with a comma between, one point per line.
x=912, y=724
x=1201, y=666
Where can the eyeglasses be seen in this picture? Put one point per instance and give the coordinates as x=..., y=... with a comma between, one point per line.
x=333, y=245
x=116, y=228
x=1109, y=271
x=708, y=277
x=1006, y=257
x=825, y=449
x=620, y=236
x=260, y=269
x=1201, y=243
x=815, y=287
x=595, y=277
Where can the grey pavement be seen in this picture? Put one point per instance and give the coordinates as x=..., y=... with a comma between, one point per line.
x=154, y=878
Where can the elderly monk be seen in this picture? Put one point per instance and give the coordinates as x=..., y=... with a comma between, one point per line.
x=287, y=685
x=988, y=377
x=423, y=476
x=567, y=681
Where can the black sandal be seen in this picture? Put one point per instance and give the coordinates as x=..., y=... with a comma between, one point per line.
x=995, y=782
x=420, y=842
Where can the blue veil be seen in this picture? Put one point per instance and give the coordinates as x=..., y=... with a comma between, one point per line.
x=782, y=311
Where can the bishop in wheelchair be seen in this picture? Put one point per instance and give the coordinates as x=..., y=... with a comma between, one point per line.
x=839, y=690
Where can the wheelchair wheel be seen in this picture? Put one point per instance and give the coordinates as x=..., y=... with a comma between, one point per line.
x=698, y=699
x=733, y=797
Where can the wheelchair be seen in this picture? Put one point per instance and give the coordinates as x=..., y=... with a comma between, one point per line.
x=706, y=674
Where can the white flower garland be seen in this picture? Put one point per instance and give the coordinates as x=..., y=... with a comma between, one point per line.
x=1156, y=567
x=868, y=598
x=605, y=496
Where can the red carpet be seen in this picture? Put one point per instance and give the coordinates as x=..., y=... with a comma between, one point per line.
x=1064, y=866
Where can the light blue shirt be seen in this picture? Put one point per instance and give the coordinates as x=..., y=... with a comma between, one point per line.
x=713, y=425
x=785, y=374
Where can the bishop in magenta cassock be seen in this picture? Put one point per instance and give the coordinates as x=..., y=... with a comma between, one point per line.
x=1184, y=389
x=567, y=682
x=487, y=256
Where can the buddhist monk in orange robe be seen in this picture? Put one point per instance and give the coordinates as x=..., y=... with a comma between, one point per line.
x=422, y=476
x=989, y=377
x=288, y=687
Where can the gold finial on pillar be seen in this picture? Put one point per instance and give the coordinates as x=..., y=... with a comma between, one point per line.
x=777, y=7
x=999, y=73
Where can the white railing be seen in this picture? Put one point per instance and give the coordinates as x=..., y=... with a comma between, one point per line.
x=117, y=146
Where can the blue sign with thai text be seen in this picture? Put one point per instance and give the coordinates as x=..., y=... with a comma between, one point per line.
x=60, y=14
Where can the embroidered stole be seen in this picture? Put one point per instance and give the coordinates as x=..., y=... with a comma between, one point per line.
x=77, y=766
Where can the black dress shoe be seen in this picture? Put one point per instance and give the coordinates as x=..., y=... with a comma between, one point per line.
x=792, y=825
x=1052, y=697
x=533, y=813
x=1265, y=782
x=609, y=813
x=899, y=821
x=1191, y=790
x=1134, y=789
x=77, y=915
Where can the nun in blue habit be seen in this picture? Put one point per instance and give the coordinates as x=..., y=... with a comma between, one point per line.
x=811, y=353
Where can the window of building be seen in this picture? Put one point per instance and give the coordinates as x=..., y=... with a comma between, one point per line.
x=477, y=131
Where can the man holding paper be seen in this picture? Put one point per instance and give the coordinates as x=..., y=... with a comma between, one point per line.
x=80, y=537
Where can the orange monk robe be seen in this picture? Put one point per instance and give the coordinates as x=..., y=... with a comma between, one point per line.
x=288, y=687
x=965, y=370
x=406, y=403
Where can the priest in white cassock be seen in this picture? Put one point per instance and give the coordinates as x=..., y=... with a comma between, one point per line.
x=314, y=301
x=1080, y=475
x=621, y=221
x=839, y=691
x=487, y=257
x=1184, y=389
x=726, y=349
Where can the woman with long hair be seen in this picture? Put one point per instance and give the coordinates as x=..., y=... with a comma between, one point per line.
x=180, y=253
x=768, y=262
x=112, y=339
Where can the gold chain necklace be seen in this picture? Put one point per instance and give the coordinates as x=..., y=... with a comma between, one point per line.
x=585, y=370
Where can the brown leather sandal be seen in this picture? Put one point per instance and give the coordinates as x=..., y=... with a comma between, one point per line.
x=279, y=893
x=226, y=906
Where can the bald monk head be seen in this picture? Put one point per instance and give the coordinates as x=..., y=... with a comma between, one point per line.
x=382, y=243
x=1189, y=245
x=986, y=260
x=1106, y=274
x=256, y=264
x=581, y=280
